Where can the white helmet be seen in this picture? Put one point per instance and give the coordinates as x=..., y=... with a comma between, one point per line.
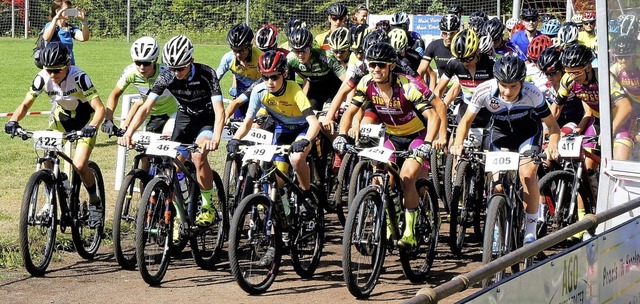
x=145, y=49
x=177, y=52
x=486, y=45
x=511, y=23
x=400, y=18
x=568, y=34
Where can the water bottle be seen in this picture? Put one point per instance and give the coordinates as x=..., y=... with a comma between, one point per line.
x=65, y=182
x=184, y=189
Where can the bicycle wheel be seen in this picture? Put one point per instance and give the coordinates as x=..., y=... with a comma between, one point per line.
x=255, y=247
x=364, y=243
x=124, y=218
x=416, y=262
x=206, y=245
x=495, y=243
x=154, y=231
x=436, y=163
x=459, y=207
x=38, y=221
x=360, y=178
x=556, y=189
x=448, y=180
x=85, y=238
x=307, y=241
x=230, y=179
x=344, y=173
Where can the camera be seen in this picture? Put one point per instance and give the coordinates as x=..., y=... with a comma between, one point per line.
x=71, y=12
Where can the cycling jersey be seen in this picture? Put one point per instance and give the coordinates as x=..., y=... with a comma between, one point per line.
x=401, y=114
x=356, y=67
x=506, y=47
x=589, y=40
x=521, y=42
x=409, y=62
x=573, y=111
x=194, y=94
x=165, y=104
x=468, y=82
x=323, y=73
x=415, y=42
x=245, y=74
x=436, y=50
x=588, y=93
x=534, y=75
x=629, y=79
x=322, y=40
x=290, y=108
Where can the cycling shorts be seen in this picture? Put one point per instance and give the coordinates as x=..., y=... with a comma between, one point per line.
x=403, y=143
x=64, y=121
x=286, y=135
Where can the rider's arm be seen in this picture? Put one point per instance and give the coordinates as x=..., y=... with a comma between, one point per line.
x=340, y=96
x=451, y=95
x=142, y=114
x=132, y=112
x=345, y=121
x=584, y=122
x=314, y=125
x=112, y=102
x=98, y=107
x=554, y=136
x=442, y=83
x=218, y=124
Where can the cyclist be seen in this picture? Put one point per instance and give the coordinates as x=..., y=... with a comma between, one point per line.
x=200, y=112
x=568, y=34
x=521, y=39
x=495, y=29
x=401, y=20
x=588, y=36
x=537, y=45
x=551, y=28
x=439, y=49
x=340, y=43
x=267, y=38
x=337, y=17
x=241, y=61
x=77, y=106
x=457, y=10
x=401, y=106
x=408, y=59
x=517, y=112
x=142, y=73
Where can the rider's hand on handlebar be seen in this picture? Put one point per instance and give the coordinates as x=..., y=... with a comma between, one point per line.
x=552, y=152
x=89, y=131
x=340, y=143
x=233, y=145
x=424, y=149
x=11, y=127
x=440, y=143
x=107, y=126
x=327, y=124
x=456, y=150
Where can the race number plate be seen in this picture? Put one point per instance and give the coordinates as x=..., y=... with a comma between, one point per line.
x=371, y=130
x=259, y=136
x=501, y=161
x=146, y=137
x=261, y=152
x=380, y=154
x=47, y=140
x=229, y=131
x=474, y=137
x=570, y=146
x=163, y=148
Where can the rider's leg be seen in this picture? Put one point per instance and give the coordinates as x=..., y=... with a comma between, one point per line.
x=204, y=175
x=408, y=175
x=530, y=196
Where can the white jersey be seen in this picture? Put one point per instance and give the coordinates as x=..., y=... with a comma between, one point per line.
x=74, y=93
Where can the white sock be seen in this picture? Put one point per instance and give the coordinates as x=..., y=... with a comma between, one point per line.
x=530, y=224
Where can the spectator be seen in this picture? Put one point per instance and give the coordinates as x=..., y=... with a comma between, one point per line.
x=521, y=39
x=58, y=29
x=360, y=15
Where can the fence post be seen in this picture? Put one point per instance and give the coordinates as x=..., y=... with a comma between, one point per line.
x=247, y=12
x=128, y=21
x=26, y=19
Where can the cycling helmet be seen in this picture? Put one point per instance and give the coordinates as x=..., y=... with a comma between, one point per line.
x=624, y=46
x=177, y=52
x=614, y=27
x=358, y=32
x=589, y=16
x=480, y=14
x=556, y=42
x=340, y=39
x=267, y=37
x=568, y=34
x=486, y=44
x=449, y=23
x=292, y=25
x=518, y=27
x=145, y=49
x=577, y=55
x=398, y=39
x=577, y=18
x=54, y=54
x=511, y=23
x=381, y=52
x=464, y=44
x=455, y=9
x=383, y=25
x=551, y=27
x=240, y=35
x=337, y=9
x=476, y=23
x=549, y=60
x=272, y=61
x=400, y=19
x=494, y=29
x=509, y=68
x=537, y=45
x=628, y=25
x=373, y=38
x=529, y=13
x=547, y=17
x=300, y=38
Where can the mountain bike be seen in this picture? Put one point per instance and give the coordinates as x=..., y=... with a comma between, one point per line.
x=47, y=190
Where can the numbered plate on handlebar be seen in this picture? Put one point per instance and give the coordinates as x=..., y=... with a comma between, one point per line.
x=474, y=138
x=47, y=140
x=261, y=152
x=163, y=148
x=145, y=137
x=259, y=136
x=380, y=154
x=371, y=130
x=229, y=131
x=501, y=161
x=570, y=146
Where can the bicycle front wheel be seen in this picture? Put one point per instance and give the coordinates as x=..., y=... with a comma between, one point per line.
x=154, y=231
x=495, y=243
x=459, y=207
x=87, y=238
x=124, y=218
x=363, y=244
x=254, y=245
x=38, y=221
x=206, y=246
x=307, y=242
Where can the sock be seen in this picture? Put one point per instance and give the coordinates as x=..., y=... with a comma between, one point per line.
x=581, y=214
x=530, y=224
x=410, y=219
x=206, y=198
x=91, y=189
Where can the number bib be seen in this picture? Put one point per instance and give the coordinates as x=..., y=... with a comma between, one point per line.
x=380, y=154
x=259, y=136
x=371, y=130
x=261, y=152
x=47, y=140
x=501, y=161
x=474, y=138
x=145, y=137
x=229, y=131
x=570, y=146
x=163, y=148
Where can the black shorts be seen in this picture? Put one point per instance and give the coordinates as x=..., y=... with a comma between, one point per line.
x=188, y=127
x=156, y=123
x=514, y=142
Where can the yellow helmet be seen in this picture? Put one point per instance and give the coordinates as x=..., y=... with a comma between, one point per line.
x=398, y=39
x=465, y=44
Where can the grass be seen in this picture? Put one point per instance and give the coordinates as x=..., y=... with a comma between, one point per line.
x=103, y=60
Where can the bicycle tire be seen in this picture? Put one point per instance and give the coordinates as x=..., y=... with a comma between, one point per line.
x=448, y=181
x=153, y=232
x=417, y=262
x=124, y=218
x=360, y=178
x=458, y=207
x=37, y=248
x=86, y=239
x=307, y=243
x=549, y=185
x=229, y=180
x=365, y=207
x=496, y=216
x=342, y=206
x=206, y=245
x=248, y=243
x=436, y=162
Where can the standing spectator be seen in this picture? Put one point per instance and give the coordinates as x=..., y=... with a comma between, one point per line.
x=521, y=39
x=337, y=17
x=360, y=15
x=58, y=29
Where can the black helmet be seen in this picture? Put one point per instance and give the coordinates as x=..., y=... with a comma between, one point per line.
x=300, y=38
x=509, y=68
x=240, y=35
x=455, y=9
x=549, y=60
x=449, y=23
x=476, y=23
x=529, y=13
x=624, y=46
x=272, y=61
x=54, y=54
x=374, y=37
x=493, y=28
x=382, y=52
x=577, y=55
x=480, y=14
x=292, y=25
x=358, y=32
x=337, y=9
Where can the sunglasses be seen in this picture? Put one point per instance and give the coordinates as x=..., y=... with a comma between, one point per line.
x=339, y=52
x=448, y=33
x=178, y=69
x=530, y=20
x=335, y=18
x=271, y=77
x=576, y=73
x=240, y=50
x=380, y=65
x=302, y=50
x=590, y=23
x=143, y=63
x=551, y=73
x=54, y=71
